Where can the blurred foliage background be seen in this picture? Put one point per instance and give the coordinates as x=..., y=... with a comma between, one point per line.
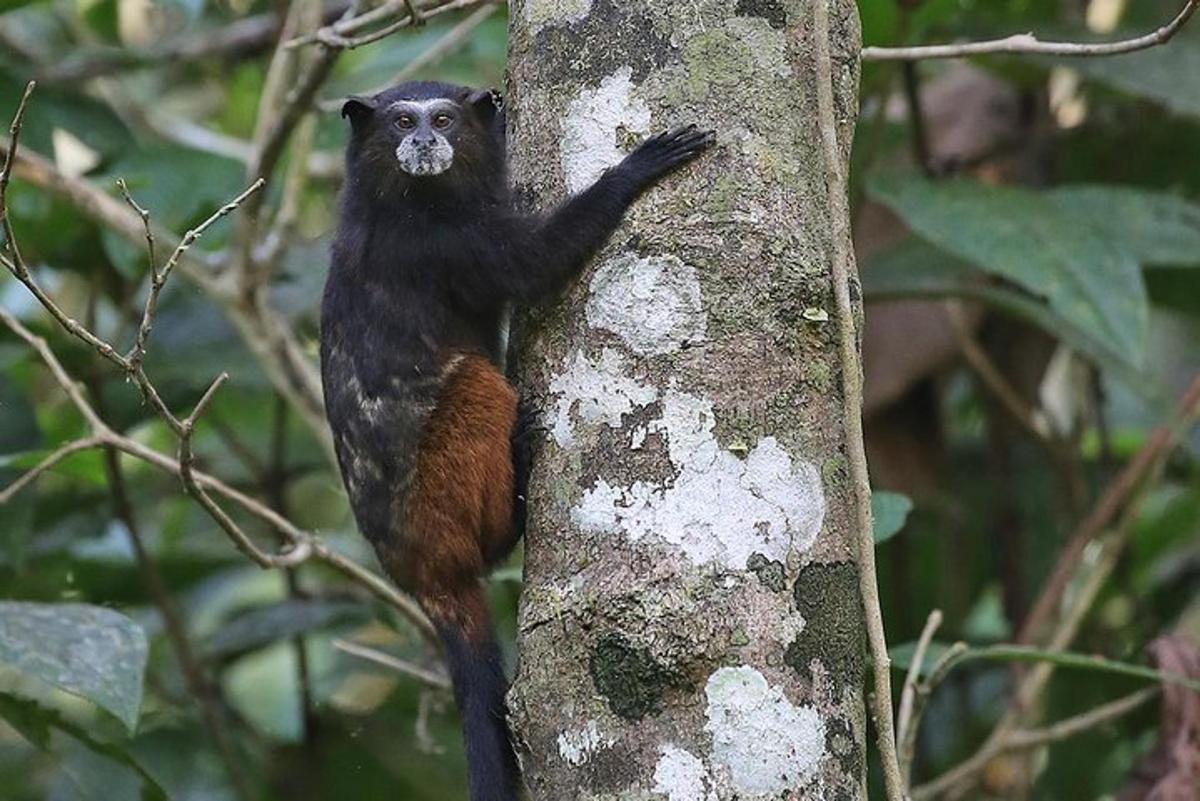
x=1029, y=245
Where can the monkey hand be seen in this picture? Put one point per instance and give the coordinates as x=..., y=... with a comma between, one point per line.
x=664, y=153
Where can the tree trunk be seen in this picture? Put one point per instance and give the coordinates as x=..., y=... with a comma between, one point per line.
x=690, y=627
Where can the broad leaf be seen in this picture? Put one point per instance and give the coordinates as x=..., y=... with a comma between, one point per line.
x=916, y=269
x=50, y=732
x=1168, y=75
x=1156, y=228
x=1029, y=239
x=267, y=624
x=890, y=510
x=88, y=651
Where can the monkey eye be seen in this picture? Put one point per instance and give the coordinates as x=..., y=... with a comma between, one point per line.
x=442, y=120
x=405, y=122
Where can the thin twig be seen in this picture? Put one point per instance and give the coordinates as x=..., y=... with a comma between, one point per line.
x=61, y=376
x=198, y=682
x=1034, y=682
x=906, y=732
x=298, y=549
x=436, y=680
x=1110, y=503
x=1035, y=738
x=842, y=264
x=337, y=35
x=1065, y=729
x=158, y=278
x=451, y=41
x=245, y=37
x=48, y=463
x=265, y=332
x=14, y=136
x=1028, y=44
x=319, y=550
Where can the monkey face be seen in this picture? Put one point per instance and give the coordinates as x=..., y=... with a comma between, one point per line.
x=436, y=136
x=425, y=129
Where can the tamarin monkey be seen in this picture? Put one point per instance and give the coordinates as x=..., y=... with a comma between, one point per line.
x=429, y=250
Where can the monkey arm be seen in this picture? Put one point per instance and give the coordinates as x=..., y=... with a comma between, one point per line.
x=535, y=256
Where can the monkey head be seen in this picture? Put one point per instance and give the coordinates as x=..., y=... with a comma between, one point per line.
x=424, y=130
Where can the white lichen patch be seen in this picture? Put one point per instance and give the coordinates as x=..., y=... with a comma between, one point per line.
x=767, y=744
x=652, y=303
x=577, y=747
x=591, y=126
x=543, y=12
x=681, y=776
x=595, y=391
x=718, y=508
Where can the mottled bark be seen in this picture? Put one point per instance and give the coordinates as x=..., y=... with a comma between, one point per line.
x=690, y=628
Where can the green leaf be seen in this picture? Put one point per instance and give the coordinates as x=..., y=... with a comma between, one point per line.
x=177, y=185
x=90, y=652
x=1031, y=240
x=18, y=424
x=1167, y=75
x=91, y=121
x=916, y=269
x=1022, y=236
x=890, y=510
x=267, y=624
x=1156, y=228
x=38, y=724
x=902, y=657
x=84, y=466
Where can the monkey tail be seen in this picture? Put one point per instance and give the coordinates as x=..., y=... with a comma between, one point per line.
x=476, y=670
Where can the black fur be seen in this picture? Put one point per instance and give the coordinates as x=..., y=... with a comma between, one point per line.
x=479, y=687
x=423, y=267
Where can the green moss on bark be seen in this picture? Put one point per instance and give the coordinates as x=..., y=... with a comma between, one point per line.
x=630, y=678
x=827, y=598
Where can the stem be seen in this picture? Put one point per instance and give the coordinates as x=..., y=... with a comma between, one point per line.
x=843, y=267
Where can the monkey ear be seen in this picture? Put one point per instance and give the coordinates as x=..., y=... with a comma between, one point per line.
x=358, y=109
x=486, y=102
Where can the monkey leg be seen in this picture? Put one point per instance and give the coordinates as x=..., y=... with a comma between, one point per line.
x=458, y=520
x=461, y=507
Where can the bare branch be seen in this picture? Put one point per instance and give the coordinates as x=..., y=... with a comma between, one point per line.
x=14, y=135
x=243, y=38
x=1034, y=738
x=1114, y=498
x=436, y=680
x=1028, y=44
x=299, y=551
x=1065, y=729
x=315, y=548
x=338, y=35
x=61, y=376
x=265, y=332
x=451, y=41
x=906, y=731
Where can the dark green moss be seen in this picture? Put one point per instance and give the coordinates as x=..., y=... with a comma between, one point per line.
x=629, y=677
x=769, y=572
x=770, y=10
x=827, y=598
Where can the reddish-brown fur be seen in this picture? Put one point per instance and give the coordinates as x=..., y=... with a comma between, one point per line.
x=459, y=516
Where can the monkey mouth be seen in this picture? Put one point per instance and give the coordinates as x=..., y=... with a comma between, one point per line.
x=421, y=163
